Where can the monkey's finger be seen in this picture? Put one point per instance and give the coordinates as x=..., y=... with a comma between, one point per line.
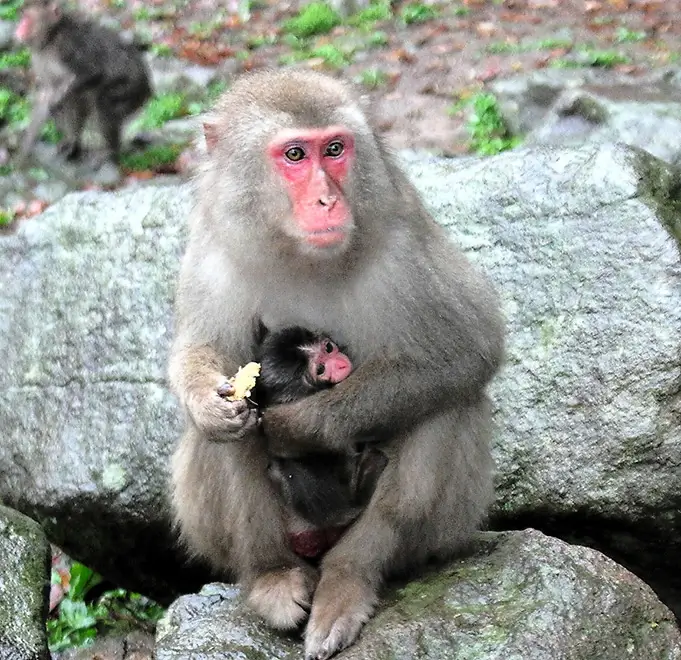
x=232, y=409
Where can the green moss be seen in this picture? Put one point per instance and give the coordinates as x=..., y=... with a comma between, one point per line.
x=660, y=187
x=315, y=18
x=6, y=217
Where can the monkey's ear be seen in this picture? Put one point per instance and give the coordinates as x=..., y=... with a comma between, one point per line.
x=260, y=330
x=54, y=9
x=210, y=133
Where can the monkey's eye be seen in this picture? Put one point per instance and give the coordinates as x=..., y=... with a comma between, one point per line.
x=294, y=154
x=328, y=347
x=320, y=369
x=334, y=149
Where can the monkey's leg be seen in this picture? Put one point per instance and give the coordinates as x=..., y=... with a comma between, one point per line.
x=70, y=120
x=110, y=120
x=228, y=513
x=430, y=498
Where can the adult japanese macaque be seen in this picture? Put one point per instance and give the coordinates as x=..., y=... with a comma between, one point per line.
x=303, y=218
x=81, y=69
x=322, y=492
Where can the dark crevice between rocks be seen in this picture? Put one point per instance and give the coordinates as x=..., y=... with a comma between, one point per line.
x=155, y=564
x=660, y=188
x=650, y=549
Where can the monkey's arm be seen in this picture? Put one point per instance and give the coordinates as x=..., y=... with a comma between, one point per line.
x=197, y=376
x=385, y=396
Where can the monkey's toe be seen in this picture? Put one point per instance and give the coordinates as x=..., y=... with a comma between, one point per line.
x=339, y=611
x=282, y=597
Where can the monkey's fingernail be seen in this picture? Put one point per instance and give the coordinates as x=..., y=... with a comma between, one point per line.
x=225, y=389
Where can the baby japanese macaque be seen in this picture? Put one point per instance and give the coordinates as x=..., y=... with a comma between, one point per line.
x=324, y=491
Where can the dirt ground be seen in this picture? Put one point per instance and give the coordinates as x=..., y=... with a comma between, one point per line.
x=429, y=65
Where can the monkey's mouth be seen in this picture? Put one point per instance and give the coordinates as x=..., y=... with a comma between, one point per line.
x=326, y=237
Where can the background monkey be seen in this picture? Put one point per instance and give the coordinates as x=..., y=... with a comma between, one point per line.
x=303, y=218
x=81, y=69
x=324, y=491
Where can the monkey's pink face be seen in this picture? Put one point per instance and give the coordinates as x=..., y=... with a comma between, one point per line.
x=314, y=163
x=36, y=20
x=26, y=26
x=327, y=363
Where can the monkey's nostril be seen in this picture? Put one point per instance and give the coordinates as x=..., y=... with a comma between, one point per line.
x=329, y=200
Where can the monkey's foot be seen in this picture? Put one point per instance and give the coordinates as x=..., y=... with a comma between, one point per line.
x=283, y=596
x=341, y=606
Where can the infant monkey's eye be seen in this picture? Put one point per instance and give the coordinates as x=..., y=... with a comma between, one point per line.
x=328, y=347
x=321, y=369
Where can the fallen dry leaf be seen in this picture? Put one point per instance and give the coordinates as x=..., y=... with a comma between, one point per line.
x=486, y=28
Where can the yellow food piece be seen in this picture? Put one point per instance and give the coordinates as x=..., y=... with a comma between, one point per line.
x=244, y=381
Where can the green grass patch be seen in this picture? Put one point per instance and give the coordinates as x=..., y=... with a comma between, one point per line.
x=16, y=59
x=154, y=158
x=161, y=50
x=213, y=91
x=380, y=11
x=205, y=29
x=6, y=216
x=10, y=9
x=78, y=622
x=14, y=109
x=416, y=12
x=333, y=56
x=624, y=35
x=163, y=108
x=551, y=43
x=488, y=130
x=315, y=18
x=587, y=56
x=259, y=40
x=373, y=78
x=50, y=133
x=604, y=58
x=377, y=39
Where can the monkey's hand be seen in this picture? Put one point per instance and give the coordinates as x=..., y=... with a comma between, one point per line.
x=286, y=423
x=217, y=418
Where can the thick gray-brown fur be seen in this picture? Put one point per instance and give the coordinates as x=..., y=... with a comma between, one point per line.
x=426, y=336
x=81, y=69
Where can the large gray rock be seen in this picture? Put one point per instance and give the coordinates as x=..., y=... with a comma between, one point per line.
x=88, y=423
x=523, y=595
x=589, y=439
x=572, y=107
x=24, y=580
